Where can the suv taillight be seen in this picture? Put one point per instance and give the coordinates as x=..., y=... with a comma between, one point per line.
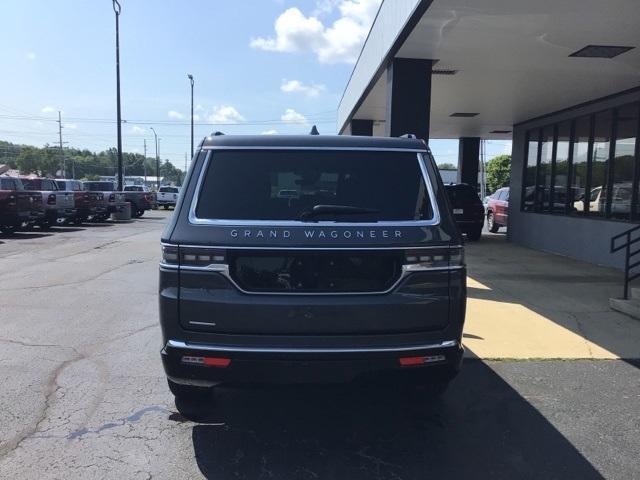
x=429, y=259
x=193, y=257
x=51, y=199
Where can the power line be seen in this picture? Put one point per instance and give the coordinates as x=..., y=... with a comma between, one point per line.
x=310, y=118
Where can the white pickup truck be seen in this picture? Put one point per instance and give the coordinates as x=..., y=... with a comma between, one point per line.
x=168, y=197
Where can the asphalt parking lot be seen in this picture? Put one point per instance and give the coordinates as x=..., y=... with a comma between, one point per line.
x=84, y=396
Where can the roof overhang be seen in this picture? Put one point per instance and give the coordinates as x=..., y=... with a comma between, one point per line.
x=512, y=60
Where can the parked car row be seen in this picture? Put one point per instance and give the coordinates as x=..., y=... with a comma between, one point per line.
x=469, y=212
x=44, y=202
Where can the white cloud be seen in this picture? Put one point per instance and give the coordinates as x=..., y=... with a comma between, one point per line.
x=48, y=109
x=31, y=56
x=291, y=116
x=137, y=129
x=296, y=86
x=270, y=132
x=72, y=126
x=175, y=115
x=199, y=108
x=339, y=42
x=196, y=117
x=225, y=114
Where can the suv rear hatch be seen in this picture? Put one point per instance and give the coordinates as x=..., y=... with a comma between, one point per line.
x=285, y=269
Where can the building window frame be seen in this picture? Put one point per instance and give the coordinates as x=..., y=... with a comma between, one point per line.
x=636, y=172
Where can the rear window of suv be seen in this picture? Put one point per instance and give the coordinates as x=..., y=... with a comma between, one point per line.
x=462, y=194
x=287, y=185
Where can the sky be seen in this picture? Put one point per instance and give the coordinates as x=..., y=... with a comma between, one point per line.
x=260, y=66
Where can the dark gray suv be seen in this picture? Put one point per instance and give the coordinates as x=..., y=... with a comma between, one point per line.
x=311, y=259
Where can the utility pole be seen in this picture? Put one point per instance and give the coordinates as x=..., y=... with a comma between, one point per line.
x=64, y=174
x=144, y=162
x=117, y=9
x=191, y=80
x=157, y=160
x=158, y=164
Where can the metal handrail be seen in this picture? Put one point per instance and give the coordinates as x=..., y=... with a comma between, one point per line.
x=628, y=266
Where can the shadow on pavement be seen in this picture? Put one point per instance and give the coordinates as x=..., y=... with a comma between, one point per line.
x=145, y=217
x=24, y=235
x=64, y=229
x=97, y=224
x=481, y=429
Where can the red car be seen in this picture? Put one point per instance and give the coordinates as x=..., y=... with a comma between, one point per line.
x=18, y=208
x=498, y=210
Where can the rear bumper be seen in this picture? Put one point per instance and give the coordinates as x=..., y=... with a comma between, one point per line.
x=470, y=225
x=90, y=211
x=304, y=365
x=36, y=215
x=14, y=219
x=67, y=212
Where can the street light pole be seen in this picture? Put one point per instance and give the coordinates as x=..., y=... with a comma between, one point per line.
x=157, y=160
x=144, y=163
x=191, y=80
x=117, y=9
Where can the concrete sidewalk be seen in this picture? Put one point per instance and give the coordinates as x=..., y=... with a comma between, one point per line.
x=526, y=304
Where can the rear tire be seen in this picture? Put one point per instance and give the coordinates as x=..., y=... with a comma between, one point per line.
x=491, y=223
x=139, y=213
x=190, y=393
x=475, y=234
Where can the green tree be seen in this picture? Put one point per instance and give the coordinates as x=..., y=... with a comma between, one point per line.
x=498, y=172
x=447, y=166
x=85, y=164
x=29, y=160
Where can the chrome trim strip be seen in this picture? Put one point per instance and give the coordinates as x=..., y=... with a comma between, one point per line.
x=345, y=149
x=222, y=348
x=223, y=270
x=318, y=248
x=195, y=220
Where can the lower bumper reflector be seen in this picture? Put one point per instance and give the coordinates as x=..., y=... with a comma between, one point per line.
x=412, y=361
x=207, y=361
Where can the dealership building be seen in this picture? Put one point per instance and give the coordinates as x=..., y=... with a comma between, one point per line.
x=561, y=78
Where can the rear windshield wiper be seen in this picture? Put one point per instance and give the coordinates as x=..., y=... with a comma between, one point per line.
x=320, y=210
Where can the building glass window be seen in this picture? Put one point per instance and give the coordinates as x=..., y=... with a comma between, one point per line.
x=588, y=165
x=624, y=162
x=561, y=167
x=577, y=201
x=599, y=163
x=529, y=187
x=544, y=171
